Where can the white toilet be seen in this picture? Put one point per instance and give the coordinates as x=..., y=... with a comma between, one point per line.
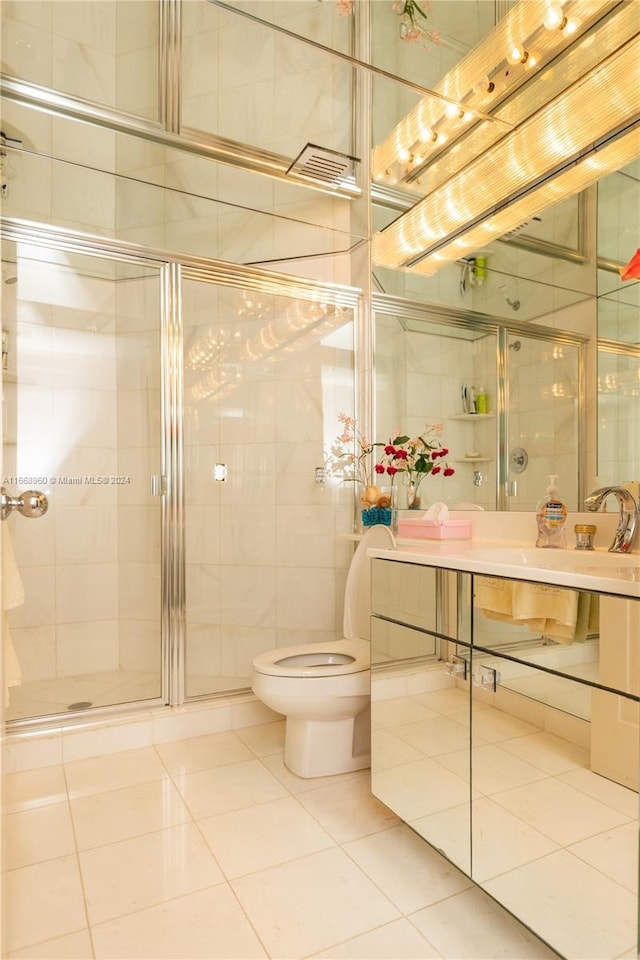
x=323, y=689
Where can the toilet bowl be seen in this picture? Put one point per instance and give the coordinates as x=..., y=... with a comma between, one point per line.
x=323, y=689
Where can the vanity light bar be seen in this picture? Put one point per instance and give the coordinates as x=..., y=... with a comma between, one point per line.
x=567, y=145
x=526, y=38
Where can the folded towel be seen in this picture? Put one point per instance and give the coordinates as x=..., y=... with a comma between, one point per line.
x=556, y=612
x=12, y=596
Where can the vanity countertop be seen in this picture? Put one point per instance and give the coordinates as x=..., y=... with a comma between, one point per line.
x=598, y=570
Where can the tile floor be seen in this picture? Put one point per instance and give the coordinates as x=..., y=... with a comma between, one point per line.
x=549, y=838
x=209, y=847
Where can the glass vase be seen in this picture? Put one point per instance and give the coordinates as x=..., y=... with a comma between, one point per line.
x=379, y=512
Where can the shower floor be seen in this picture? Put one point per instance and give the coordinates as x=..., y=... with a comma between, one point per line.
x=42, y=698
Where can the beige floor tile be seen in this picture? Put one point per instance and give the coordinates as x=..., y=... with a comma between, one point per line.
x=207, y=924
x=407, y=870
x=502, y=842
x=42, y=833
x=550, y=753
x=296, y=785
x=264, y=740
x=74, y=946
x=398, y=940
x=202, y=753
x=494, y=769
x=123, y=877
x=420, y=788
x=113, y=771
x=120, y=814
x=252, y=839
x=613, y=794
x=562, y=813
x=576, y=908
x=397, y=710
x=313, y=903
x=471, y=926
x=447, y=702
x=614, y=853
x=34, y=788
x=495, y=725
x=348, y=810
x=232, y=787
x=450, y=832
x=387, y=750
x=43, y=901
x=433, y=737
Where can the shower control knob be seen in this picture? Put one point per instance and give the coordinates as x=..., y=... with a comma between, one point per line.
x=34, y=504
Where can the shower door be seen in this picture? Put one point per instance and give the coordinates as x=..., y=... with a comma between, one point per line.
x=265, y=376
x=81, y=425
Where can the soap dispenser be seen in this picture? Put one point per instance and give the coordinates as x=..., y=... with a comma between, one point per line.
x=551, y=515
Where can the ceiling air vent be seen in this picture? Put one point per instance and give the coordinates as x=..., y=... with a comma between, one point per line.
x=327, y=167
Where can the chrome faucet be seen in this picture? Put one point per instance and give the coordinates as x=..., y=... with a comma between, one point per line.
x=623, y=537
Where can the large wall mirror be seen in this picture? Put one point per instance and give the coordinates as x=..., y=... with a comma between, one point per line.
x=555, y=275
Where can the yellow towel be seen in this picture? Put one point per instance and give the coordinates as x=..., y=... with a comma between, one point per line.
x=555, y=612
x=12, y=596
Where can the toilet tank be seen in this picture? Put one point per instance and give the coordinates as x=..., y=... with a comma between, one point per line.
x=357, y=595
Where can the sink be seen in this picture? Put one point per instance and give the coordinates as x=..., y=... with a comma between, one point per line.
x=557, y=559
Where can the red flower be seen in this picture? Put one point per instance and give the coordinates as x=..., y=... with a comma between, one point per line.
x=436, y=470
x=379, y=468
x=389, y=450
x=401, y=454
x=392, y=470
x=444, y=452
x=449, y=472
x=434, y=456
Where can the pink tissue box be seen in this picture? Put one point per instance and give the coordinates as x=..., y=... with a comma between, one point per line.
x=431, y=530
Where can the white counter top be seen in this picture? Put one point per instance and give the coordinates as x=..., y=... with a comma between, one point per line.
x=598, y=570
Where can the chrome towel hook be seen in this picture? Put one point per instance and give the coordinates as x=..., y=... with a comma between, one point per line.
x=31, y=504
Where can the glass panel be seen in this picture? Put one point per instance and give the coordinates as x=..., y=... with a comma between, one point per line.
x=253, y=228
x=555, y=802
x=421, y=369
x=102, y=51
x=509, y=620
x=82, y=425
x=618, y=417
x=543, y=421
x=265, y=378
x=420, y=736
x=269, y=90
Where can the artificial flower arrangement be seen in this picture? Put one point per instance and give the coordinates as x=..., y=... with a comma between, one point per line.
x=355, y=458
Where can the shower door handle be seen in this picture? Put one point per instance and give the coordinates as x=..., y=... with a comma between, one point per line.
x=31, y=504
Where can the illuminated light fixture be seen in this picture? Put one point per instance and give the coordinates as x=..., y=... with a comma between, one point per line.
x=508, y=59
x=563, y=148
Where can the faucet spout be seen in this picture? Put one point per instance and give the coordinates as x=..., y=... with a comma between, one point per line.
x=625, y=531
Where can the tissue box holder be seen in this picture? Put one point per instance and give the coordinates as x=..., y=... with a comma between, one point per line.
x=432, y=530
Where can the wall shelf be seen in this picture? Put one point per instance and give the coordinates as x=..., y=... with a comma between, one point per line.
x=472, y=416
x=473, y=460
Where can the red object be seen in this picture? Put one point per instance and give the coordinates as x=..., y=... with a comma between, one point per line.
x=632, y=269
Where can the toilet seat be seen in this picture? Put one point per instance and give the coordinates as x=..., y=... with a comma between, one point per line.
x=333, y=659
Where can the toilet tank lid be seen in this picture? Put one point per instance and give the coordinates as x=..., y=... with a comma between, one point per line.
x=357, y=595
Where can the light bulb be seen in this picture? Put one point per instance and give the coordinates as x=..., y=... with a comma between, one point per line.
x=403, y=153
x=453, y=110
x=554, y=19
x=517, y=54
x=570, y=26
